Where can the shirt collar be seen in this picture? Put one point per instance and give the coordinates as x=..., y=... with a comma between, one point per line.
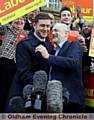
x=61, y=44
x=42, y=40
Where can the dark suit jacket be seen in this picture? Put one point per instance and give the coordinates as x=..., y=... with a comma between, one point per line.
x=28, y=26
x=28, y=62
x=67, y=67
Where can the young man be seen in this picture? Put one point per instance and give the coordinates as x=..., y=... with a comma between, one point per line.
x=27, y=60
x=66, y=18
x=66, y=66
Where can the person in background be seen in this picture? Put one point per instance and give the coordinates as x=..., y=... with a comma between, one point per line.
x=78, y=19
x=52, y=20
x=29, y=24
x=66, y=18
x=7, y=58
x=86, y=32
x=2, y=32
x=88, y=66
x=66, y=66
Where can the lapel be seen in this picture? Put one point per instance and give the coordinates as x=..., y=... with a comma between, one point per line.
x=35, y=42
x=64, y=48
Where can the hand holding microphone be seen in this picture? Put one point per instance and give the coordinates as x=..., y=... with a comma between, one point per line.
x=28, y=97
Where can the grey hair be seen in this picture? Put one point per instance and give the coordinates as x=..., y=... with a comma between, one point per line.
x=61, y=26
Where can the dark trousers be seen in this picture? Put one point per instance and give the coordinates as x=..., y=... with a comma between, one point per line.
x=7, y=71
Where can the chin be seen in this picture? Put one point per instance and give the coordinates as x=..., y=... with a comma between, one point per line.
x=44, y=36
x=67, y=23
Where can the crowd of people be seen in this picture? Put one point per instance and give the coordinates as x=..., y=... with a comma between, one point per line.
x=27, y=47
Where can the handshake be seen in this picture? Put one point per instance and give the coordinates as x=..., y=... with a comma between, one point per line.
x=43, y=96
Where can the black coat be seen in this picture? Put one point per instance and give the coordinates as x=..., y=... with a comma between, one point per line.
x=28, y=62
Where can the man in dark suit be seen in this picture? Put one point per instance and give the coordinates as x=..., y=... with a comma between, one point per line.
x=66, y=66
x=27, y=60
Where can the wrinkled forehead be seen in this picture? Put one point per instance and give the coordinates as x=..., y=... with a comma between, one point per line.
x=65, y=12
x=87, y=24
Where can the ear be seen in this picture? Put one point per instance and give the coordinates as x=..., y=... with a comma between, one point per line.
x=34, y=25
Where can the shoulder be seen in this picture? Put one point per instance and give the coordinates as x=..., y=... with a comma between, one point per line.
x=73, y=46
x=24, y=37
x=75, y=43
x=24, y=42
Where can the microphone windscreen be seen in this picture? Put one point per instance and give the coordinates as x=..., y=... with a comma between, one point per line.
x=54, y=97
x=27, y=90
x=17, y=104
x=40, y=81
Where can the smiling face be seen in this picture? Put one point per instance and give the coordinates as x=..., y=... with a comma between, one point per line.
x=66, y=17
x=42, y=27
x=18, y=24
x=87, y=28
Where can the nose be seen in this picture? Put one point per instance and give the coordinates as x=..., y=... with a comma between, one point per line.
x=45, y=27
x=67, y=16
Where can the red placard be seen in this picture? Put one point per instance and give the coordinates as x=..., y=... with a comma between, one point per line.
x=86, y=6
x=73, y=36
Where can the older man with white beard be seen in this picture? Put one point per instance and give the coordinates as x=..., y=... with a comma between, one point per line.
x=66, y=66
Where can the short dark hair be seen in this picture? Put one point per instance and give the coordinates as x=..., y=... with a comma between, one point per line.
x=41, y=16
x=65, y=8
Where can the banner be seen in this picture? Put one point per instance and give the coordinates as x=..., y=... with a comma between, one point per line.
x=89, y=89
x=86, y=7
x=46, y=116
x=12, y=9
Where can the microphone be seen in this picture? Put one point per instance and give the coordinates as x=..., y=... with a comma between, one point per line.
x=27, y=95
x=54, y=97
x=66, y=96
x=40, y=84
x=17, y=104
